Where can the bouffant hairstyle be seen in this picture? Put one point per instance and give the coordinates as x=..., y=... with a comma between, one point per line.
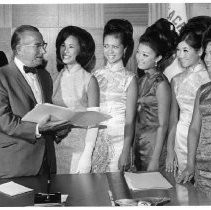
x=204, y=22
x=162, y=38
x=168, y=32
x=86, y=56
x=206, y=39
x=192, y=34
x=123, y=30
x=203, y=19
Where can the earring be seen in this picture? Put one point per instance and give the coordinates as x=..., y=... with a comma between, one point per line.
x=156, y=63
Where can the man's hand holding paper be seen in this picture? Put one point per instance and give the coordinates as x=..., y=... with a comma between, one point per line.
x=60, y=132
x=57, y=120
x=60, y=116
x=43, y=121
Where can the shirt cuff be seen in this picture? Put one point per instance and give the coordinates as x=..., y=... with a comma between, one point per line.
x=37, y=134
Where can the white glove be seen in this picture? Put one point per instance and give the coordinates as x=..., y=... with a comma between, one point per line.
x=84, y=165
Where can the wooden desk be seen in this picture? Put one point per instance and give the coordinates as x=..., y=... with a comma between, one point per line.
x=92, y=189
x=83, y=190
x=180, y=194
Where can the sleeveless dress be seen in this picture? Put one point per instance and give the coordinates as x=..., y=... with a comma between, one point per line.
x=70, y=90
x=147, y=122
x=113, y=82
x=186, y=86
x=203, y=153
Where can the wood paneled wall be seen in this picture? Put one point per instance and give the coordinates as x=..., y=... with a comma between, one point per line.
x=51, y=18
x=197, y=9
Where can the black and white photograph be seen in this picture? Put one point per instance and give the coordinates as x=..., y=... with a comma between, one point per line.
x=105, y=103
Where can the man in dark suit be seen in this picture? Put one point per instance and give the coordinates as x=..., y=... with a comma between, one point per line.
x=3, y=59
x=23, y=150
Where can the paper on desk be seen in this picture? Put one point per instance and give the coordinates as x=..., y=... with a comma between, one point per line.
x=63, y=114
x=12, y=188
x=146, y=181
x=64, y=198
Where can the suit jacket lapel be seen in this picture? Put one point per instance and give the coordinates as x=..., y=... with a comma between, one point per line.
x=22, y=81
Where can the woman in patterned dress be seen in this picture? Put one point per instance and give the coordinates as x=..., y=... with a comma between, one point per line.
x=118, y=95
x=76, y=89
x=154, y=98
x=184, y=88
x=199, y=135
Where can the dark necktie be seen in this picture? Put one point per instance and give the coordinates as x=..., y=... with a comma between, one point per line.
x=30, y=70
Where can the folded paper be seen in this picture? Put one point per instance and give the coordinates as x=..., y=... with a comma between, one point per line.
x=146, y=181
x=12, y=188
x=63, y=115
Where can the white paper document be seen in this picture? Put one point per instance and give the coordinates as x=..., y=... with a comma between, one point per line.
x=12, y=188
x=64, y=114
x=146, y=181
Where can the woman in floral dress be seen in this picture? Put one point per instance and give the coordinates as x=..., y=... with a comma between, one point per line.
x=184, y=89
x=118, y=95
x=199, y=135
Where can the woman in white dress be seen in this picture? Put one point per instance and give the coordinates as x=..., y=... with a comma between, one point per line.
x=77, y=89
x=199, y=134
x=118, y=96
x=184, y=88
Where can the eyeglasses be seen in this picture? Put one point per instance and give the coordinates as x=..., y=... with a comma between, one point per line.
x=37, y=45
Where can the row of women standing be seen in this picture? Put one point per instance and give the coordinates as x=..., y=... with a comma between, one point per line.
x=112, y=87
x=148, y=109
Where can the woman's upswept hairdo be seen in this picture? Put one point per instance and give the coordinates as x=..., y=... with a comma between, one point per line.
x=86, y=56
x=200, y=25
x=202, y=19
x=163, y=39
x=168, y=32
x=124, y=30
x=206, y=39
x=192, y=32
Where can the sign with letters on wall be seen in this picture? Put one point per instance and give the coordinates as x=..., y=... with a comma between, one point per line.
x=177, y=15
